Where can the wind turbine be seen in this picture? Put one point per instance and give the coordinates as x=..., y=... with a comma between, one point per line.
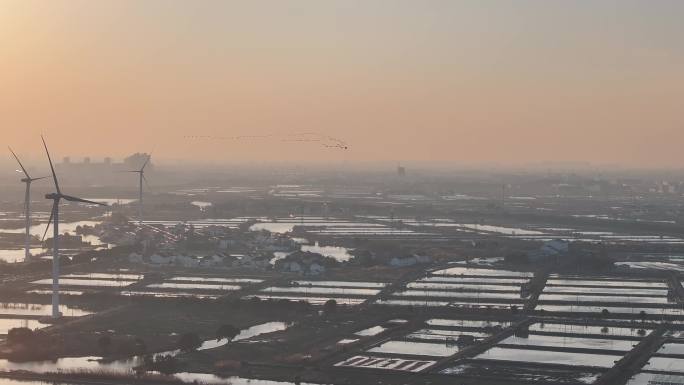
x=27, y=205
x=54, y=218
x=141, y=174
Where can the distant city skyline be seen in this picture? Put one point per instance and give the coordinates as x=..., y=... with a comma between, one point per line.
x=454, y=82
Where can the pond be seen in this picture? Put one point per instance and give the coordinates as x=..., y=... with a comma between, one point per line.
x=476, y=280
x=33, y=309
x=253, y=331
x=455, y=294
x=416, y=348
x=604, y=283
x=550, y=357
x=480, y=324
x=468, y=271
x=193, y=286
x=311, y=300
x=672, y=348
x=84, y=282
x=203, y=206
x=586, y=329
x=600, y=298
x=17, y=255
x=665, y=364
x=443, y=335
x=605, y=290
x=217, y=280
x=462, y=287
x=341, y=284
x=372, y=331
x=10, y=323
x=340, y=254
x=571, y=342
x=322, y=290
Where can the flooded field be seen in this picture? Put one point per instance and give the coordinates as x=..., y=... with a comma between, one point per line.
x=167, y=294
x=322, y=290
x=588, y=330
x=415, y=348
x=444, y=335
x=193, y=286
x=106, y=276
x=34, y=309
x=465, y=323
x=571, y=342
x=549, y=357
x=312, y=300
x=463, y=287
x=603, y=298
x=665, y=364
x=252, y=331
x=606, y=290
x=571, y=308
x=10, y=323
x=480, y=280
x=478, y=272
x=215, y=280
x=520, y=373
x=85, y=282
x=605, y=282
x=455, y=294
x=373, y=331
x=656, y=379
x=672, y=348
x=17, y=255
x=377, y=285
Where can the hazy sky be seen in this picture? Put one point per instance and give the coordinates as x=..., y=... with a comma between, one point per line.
x=450, y=81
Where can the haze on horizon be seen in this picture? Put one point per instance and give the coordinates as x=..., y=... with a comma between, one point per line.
x=507, y=82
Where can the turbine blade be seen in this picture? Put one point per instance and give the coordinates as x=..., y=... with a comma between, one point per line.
x=52, y=215
x=146, y=183
x=18, y=161
x=52, y=168
x=42, y=177
x=149, y=156
x=75, y=199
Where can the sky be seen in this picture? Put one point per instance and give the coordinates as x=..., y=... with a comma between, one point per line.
x=437, y=81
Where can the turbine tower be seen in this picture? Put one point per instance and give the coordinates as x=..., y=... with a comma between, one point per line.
x=141, y=174
x=56, y=197
x=27, y=205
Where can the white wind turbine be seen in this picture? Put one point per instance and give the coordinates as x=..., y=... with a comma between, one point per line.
x=54, y=218
x=27, y=205
x=141, y=174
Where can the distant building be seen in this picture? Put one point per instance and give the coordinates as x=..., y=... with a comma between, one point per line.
x=90, y=171
x=401, y=171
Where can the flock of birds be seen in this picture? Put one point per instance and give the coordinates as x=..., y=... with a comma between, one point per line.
x=308, y=137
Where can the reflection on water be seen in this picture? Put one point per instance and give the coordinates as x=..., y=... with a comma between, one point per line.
x=65, y=227
x=250, y=332
x=17, y=255
x=9, y=323
x=341, y=254
x=33, y=309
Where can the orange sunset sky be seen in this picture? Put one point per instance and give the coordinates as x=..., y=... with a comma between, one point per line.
x=462, y=82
